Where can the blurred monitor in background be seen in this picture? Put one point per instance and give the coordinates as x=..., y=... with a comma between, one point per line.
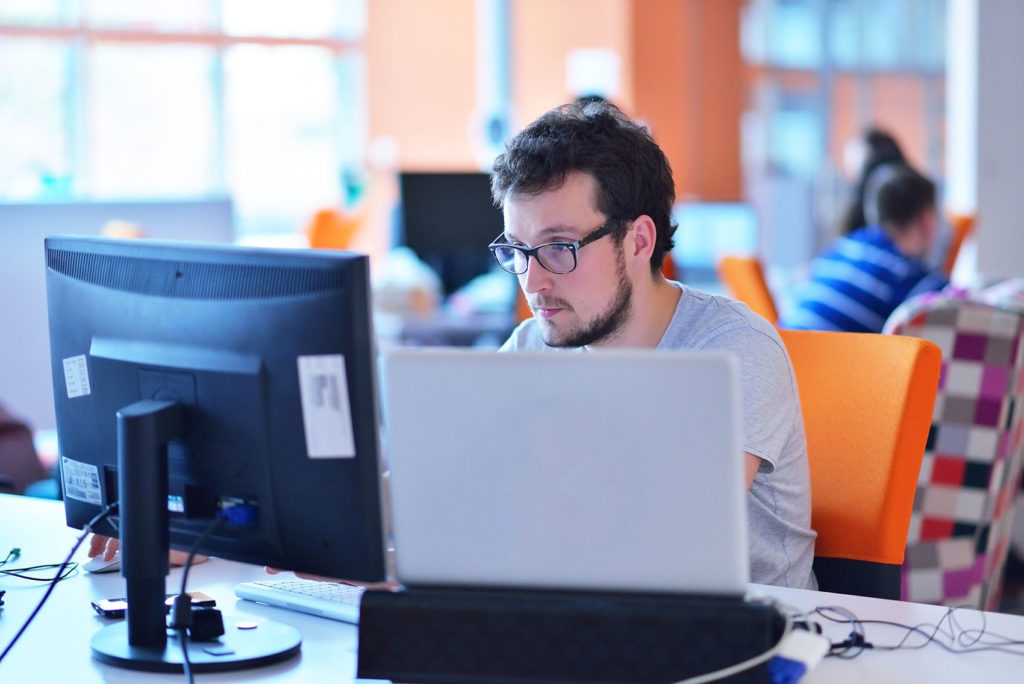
x=708, y=231
x=448, y=219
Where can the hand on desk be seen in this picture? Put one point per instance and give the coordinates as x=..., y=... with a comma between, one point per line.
x=108, y=546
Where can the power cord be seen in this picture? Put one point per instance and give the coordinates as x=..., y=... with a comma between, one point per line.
x=61, y=573
x=66, y=570
x=181, y=610
x=11, y=555
x=948, y=633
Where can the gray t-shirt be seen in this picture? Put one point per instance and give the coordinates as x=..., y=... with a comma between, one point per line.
x=779, y=502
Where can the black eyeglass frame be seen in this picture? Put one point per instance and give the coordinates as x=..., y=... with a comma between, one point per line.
x=499, y=242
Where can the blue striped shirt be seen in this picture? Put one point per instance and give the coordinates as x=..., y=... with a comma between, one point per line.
x=857, y=282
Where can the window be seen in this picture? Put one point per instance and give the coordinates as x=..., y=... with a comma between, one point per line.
x=115, y=99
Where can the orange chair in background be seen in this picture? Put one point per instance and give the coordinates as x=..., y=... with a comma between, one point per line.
x=961, y=225
x=867, y=405
x=331, y=229
x=744, y=278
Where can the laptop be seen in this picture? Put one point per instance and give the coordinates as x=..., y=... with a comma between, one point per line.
x=603, y=470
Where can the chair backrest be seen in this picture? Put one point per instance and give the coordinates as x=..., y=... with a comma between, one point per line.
x=331, y=229
x=867, y=404
x=961, y=226
x=744, y=278
x=961, y=523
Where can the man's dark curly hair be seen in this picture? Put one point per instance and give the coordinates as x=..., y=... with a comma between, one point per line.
x=632, y=173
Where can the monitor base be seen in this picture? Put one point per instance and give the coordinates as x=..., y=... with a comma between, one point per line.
x=244, y=644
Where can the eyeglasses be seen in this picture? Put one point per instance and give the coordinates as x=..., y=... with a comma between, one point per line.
x=557, y=257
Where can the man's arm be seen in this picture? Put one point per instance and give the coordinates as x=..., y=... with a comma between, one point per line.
x=750, y=465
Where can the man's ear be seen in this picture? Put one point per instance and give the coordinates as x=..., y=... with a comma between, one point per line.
x=645, y=235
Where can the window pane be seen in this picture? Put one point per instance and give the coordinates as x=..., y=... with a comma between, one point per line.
x=886, y=34
x=844, y=33
x=283, y=135
x=797, y=141
x=151, y=120
x=33, y=127
x=37, y=12
x=295, y=19
x=794, y=34
x=179, y=15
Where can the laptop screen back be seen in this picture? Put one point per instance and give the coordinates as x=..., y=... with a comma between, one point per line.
x=602, y=470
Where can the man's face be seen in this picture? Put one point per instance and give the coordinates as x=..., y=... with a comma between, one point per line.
x=592, y=303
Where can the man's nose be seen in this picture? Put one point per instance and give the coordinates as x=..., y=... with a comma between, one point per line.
x=536, y=278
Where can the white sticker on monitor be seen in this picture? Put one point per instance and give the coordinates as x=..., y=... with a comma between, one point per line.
x=325, y=407
x=76, y=376
x=81, y=481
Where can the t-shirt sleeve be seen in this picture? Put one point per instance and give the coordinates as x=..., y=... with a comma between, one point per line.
x=768, y=389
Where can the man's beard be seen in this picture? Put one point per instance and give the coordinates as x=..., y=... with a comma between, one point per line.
x=606, y=324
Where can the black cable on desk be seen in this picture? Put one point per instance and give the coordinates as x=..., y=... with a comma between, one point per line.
x=181, y=611
x=61, y=572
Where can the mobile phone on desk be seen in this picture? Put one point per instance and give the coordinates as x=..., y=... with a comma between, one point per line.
x=115, y=607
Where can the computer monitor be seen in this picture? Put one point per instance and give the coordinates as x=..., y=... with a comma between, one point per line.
x=448, y=219
x=192, y=380
x=709, y=230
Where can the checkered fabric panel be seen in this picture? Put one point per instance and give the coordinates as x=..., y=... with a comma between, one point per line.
x=971, y=471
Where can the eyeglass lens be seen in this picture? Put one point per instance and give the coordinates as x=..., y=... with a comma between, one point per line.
x=556, y=257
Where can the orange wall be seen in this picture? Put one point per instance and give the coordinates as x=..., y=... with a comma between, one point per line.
x=690, y=87
x=545, y=32
x=897, y=105
x=421, y=61
x=680, y=72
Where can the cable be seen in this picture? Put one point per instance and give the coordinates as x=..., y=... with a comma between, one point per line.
x=948, y=633
x=66, y=570
x=60, y=574
x=746, y=664
x=11, y=555
x=181, y=612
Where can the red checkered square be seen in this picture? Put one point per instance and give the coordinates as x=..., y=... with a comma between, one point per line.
x=948, y=471
x=932, y=528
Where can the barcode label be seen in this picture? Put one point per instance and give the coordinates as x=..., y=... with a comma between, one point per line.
x=81, y=481
x=76, y=376
x=325, y=407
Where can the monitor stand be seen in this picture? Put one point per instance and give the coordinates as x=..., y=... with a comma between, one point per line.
x=143, y=641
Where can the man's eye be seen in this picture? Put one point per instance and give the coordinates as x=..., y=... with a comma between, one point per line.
x=560, y=247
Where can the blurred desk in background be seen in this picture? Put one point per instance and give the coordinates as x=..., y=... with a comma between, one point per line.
x=445, y=329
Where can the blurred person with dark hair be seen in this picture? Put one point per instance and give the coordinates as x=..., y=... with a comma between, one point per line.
x=861, y=278
x=19, y=463
x=871, y=159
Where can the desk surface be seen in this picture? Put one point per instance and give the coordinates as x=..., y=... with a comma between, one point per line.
x=56, y=645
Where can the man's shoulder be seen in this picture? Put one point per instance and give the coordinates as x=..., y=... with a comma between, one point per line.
x=525, y=337
x=702, y=319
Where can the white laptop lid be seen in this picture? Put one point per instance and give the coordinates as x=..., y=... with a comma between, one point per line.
x=618, y=470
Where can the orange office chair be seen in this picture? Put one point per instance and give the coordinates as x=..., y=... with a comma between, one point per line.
x=961, y=225
x=867, y=405
x=332, y=229
x=744, y=278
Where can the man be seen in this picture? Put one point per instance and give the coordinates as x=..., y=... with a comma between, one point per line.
x=587, y=196
x=857, y=282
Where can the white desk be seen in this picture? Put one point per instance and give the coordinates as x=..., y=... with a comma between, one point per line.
x=56, y=645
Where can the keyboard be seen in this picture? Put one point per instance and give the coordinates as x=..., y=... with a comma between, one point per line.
x=326, y=599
